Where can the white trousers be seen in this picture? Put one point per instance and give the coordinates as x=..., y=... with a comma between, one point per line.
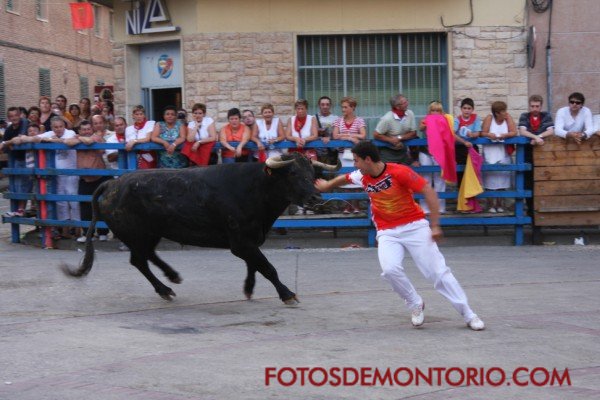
x=67, y=209
x=439, y=184
x=416, y=238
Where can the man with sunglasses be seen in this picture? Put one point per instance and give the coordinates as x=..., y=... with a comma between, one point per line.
x=574, y=121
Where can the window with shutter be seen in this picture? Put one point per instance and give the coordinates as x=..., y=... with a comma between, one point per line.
x=372, y=68
x=84, y=87
x=44, y=80
x=2, y=93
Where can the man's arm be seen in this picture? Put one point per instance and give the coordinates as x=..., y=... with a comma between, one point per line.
x=432, y=201
x=324, y=186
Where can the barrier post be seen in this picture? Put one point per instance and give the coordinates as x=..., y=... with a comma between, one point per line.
x=43, y=186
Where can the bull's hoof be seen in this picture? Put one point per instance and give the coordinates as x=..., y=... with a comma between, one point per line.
x=248, y=295
x=292, y=301
x=176, y=279
x=168, y=295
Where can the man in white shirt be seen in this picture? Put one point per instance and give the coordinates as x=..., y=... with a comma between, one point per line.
x=575, y=120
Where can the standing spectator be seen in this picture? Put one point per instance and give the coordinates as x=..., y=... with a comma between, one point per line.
x=22, y=183
x=108, y=112
x=118, y=136
x=395, y=127
x=234, y=131
x=401, y=226
x=47, y=114
x=140, y=132
x=75, y=112
x=270, y=130
x=33, y=115
x=497, y=127
x=201, y=136
x=90, y=159
x=61, y=102
x=353, y=129
x=427, y=159
x=249, y=120
x=574, y=121
x=170, y=133
x=64, y=159
x=325, y=121
x=535, y=125
x=467, y=126
x=302, y=128
x=85, y=106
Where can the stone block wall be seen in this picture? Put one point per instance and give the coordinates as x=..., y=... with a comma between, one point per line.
x=244, y=70
x=490, y=64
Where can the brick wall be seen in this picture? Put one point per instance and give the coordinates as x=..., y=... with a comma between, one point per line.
x=490, y=64
x=24, y=40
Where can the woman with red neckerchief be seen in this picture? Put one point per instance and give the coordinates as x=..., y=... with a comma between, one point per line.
x=140, y=132
x=302, y=128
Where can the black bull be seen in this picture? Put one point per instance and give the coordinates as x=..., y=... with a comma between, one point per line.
x=225, y=206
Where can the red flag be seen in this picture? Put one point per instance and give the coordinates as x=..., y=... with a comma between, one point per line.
x=82, y=15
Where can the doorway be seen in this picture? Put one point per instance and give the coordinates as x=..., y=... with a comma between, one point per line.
x=162, y=98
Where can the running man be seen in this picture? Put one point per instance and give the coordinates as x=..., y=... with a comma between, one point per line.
x=401, y=224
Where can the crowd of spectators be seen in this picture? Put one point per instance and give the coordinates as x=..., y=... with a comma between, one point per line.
x=191, y=143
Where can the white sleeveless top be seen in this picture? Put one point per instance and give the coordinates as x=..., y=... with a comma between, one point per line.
x=203, y=133
x=265, y=134
x=495, y=153
x=305, y=132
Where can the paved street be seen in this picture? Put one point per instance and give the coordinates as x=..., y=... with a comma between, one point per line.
x=109, y=336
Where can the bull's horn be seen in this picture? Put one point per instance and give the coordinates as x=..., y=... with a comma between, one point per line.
x=276, y=162
x=327, y=167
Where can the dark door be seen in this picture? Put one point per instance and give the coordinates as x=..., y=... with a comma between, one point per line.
x=162, y=98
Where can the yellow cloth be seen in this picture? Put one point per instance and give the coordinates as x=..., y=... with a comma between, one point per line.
x=469, y=187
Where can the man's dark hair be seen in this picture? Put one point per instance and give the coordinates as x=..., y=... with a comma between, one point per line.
x=324, y=98
x=577, y=96
x=10, y=109
x=233, y=112
x=366, y=148
x=468, y=101
x=85, y=122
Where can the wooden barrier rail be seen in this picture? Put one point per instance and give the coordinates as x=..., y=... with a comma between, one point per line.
x=127, y=163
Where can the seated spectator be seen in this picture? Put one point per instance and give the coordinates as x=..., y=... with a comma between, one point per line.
x=75, y=112
x=302, y=129
x=270, y=131
x=395, y=127
x=84, y=105
x=140, y=132
x=64, y=159
x=118, y=136
x=249, y=120
x=22, y=183
x=234, y=131
x=201, y=136
x=353, y=129
x=575, y=120
x=427, y=159
x=497, y=127
x=170, y=133
x=90, y=159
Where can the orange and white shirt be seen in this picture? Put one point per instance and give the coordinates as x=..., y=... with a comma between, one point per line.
x=391, y=195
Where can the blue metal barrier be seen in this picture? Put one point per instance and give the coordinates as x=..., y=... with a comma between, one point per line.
x=127, y=162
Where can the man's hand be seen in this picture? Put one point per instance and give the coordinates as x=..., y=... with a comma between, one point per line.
x=322, y=185
x=436, y=233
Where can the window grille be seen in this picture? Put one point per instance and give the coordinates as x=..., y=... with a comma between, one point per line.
x=2, y=93
x=41, y=10
x=97, y=20
x=372, y=68
x=84, y=87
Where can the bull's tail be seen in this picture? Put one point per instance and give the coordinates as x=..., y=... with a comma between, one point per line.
x=88, y=259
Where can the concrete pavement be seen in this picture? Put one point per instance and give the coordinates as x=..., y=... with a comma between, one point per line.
x=109, y=336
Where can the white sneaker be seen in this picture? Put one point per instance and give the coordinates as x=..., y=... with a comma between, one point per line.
x=300, y=211
x=500, y=209
x=310, y=212
x=417, y=317
x=476, y=324
x=81, y=239
x=492, y=210
x=103, y=238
